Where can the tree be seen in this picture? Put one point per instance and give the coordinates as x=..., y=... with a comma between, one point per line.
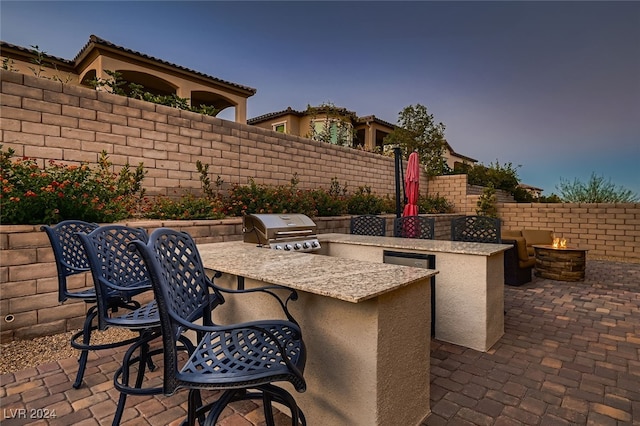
x=597, y=190
x=419, y=132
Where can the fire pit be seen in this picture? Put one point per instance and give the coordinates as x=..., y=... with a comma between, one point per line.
x=559, y=262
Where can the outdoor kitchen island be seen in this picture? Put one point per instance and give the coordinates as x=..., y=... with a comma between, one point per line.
x=469, y=289
x=366, y=327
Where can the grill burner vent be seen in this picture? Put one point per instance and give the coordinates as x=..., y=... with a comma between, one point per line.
x=289, y=232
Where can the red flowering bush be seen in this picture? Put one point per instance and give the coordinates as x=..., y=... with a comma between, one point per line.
x=188, y=206
x=254, y=198
x=34, y=194
x=31, y=194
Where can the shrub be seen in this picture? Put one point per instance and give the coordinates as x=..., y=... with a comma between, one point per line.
x=30, y=194
x=486, y=205
x=431, y=205
x=254, y=198
x=363, y=201
x=327, y=204
x=188, y=206
x=499, y=176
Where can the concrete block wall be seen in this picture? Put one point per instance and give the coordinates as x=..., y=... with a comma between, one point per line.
x=452, y=187
x=48, y=120
x=455, y=189
x=606, y=230
x=28, y=285
x=29, y=304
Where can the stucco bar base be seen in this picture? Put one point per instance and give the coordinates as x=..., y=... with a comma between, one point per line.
x=469, y=290
x=367, y=363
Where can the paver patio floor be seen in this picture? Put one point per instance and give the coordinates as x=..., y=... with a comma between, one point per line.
x=570, y=356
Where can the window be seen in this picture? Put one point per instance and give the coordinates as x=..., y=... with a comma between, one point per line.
x=280, y=127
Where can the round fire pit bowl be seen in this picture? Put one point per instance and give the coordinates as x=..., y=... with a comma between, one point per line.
x=562, y=264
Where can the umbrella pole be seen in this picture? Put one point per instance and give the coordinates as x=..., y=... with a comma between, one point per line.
x=398, y=159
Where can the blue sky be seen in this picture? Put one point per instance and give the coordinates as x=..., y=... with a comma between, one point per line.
x=551, y=87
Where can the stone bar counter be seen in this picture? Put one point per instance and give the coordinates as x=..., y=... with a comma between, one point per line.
x=366, y=326
x=469, y=289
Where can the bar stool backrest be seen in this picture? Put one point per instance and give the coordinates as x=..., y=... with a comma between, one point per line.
x=369, y=225
x=414, y=227
x=118, y=273
x=478, y=229
x=181, y=288
x=69, y=254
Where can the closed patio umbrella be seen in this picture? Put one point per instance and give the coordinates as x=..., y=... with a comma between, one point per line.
x=412, y=184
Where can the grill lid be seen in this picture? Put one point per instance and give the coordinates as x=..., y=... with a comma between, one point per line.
x=291, y=231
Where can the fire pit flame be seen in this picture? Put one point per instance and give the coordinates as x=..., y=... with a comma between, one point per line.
x=559, y=243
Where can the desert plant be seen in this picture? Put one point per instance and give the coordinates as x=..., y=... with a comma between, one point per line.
x=38, y=60
x=596, y=190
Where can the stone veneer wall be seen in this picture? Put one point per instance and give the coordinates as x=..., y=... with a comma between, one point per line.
x=48, y=120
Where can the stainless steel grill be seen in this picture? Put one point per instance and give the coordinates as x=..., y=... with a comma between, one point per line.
x=290, y=232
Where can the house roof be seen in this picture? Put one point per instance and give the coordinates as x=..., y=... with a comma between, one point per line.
x=97, y=42
x=29, y=52
x=464, y=157
x=270, y=115
x=529, y=187
x=375, y=119
x=291, y=111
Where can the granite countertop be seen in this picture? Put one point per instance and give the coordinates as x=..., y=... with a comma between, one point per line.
x=345, y=279
x=442, y=246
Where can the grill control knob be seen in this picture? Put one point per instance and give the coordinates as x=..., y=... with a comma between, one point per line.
x=287, y=247
x=315, y=244
x=278, y=247
x=297, y=246
x=306, y=245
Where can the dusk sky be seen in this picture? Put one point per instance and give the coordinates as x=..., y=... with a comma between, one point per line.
x=551, y=87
